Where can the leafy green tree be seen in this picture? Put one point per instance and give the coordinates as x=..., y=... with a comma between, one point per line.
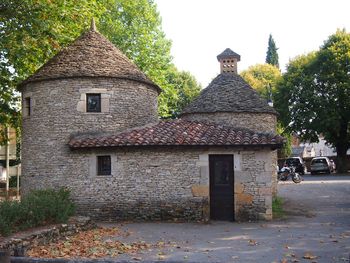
x=263, y=78
x=186, y=87
x=286, y=150
x=314, y=97
x=33, y=31
x=271, y=54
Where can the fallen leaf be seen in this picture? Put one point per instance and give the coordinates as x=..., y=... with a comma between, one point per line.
x=308, y=255
x=252, y=242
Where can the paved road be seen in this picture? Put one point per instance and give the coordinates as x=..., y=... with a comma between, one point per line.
x=317, y=228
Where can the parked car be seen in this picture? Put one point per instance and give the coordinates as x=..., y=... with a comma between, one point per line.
x=297, y=163
x=321, y=164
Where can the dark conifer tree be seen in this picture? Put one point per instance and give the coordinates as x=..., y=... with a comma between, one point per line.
x=271, y=54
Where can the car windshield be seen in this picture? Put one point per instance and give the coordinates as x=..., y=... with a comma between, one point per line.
x=292, y=161
x=319, y=161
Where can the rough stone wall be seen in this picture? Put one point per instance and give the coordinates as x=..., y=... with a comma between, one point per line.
x=19, y=243
x=274, y=177
x=253, y=179
x=163, y=184
x=146, y=184
x=262, y=122
x=253, y=186
x=56, y=114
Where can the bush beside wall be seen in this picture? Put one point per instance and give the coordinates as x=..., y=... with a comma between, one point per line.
x=38, y=208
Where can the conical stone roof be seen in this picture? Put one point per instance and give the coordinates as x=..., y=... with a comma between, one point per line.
x=91, y=55
x=228, y=93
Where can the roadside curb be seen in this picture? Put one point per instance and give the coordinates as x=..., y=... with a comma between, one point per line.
x=42, y=260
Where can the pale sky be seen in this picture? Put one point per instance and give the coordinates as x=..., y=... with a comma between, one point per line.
x=200, y=30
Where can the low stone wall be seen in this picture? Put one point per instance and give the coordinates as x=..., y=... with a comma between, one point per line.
x=61, y=260
x=19, y=243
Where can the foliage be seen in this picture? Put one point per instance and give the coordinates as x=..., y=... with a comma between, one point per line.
x=13, y=181
x=39, y=207
x=262, y=77
x=314, y=96
x=32, y=32
x=277, y=207
x=286, y=150
x=271, y=54
x=186, y=88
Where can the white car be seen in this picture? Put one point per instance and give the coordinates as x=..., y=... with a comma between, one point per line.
x=321, y=164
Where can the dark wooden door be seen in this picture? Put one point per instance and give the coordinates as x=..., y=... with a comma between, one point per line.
x=221, y=187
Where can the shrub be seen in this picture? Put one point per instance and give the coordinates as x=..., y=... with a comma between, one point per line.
x=9, y=216
x=277, y=207
x=13, y=181
x=39, y=207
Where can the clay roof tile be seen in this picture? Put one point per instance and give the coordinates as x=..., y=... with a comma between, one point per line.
x=178, y=132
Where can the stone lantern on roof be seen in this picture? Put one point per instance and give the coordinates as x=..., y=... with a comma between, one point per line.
x=228, y=61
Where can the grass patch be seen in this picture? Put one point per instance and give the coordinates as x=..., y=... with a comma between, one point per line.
x=277, y=207
x=38, y=208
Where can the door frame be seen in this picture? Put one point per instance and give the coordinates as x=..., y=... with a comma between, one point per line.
x=211, y=185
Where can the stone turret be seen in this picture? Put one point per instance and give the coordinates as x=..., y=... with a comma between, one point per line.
x=229, y=100
x=228, y=61
x=90, y=86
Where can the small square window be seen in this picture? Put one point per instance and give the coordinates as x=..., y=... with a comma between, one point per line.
x=104, y=165
x=93, y=102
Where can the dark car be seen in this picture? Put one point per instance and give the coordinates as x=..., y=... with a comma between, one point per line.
x=297, y=163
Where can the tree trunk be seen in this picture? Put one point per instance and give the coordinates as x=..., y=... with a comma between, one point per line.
x=341, y=158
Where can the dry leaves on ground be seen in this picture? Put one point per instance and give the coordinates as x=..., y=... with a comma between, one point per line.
x=309, y=255
x=95, y=243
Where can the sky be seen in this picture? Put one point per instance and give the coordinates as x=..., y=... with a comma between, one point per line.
x=202, y=29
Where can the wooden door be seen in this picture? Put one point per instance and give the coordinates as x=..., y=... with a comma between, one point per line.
x=221, y=187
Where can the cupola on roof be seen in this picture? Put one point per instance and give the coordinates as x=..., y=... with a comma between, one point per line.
x=228, y=93
x=91, y=55
x=228, y=54
x=228, y=61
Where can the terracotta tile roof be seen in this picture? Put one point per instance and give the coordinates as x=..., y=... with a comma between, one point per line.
x=91, y=55
x=228, y=93
x=228, y=53
x=179, y=133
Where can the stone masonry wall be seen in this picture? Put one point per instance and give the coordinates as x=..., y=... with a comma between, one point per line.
x=262, y=122
x=57, y=113
x=254, y=171
x=164, y=184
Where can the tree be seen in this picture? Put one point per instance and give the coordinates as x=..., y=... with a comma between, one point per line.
x=315, y=95
x=186, y=87
x=32, y=32
x=263, y=78
x=271, y=54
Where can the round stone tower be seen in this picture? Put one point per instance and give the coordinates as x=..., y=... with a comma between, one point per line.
x=90, y=86
x=229, y=100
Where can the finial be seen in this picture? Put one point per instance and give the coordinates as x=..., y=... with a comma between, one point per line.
x=93, y=25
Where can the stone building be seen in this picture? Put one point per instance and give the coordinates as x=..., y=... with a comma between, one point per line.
x=90, y=124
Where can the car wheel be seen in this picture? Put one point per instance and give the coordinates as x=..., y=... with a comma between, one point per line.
x=313, y=173
x=329, y=171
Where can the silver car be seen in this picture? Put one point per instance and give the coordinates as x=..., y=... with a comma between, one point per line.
x=321, y=164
